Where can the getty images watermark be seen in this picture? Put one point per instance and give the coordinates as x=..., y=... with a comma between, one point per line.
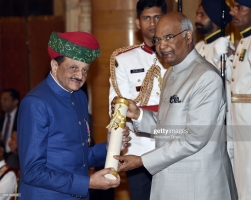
x=10, y=194
x=169, y=133
x=219, y=133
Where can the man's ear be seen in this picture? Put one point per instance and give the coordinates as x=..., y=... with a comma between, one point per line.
x=137, y=23
x=189, y=36
x=54, y=66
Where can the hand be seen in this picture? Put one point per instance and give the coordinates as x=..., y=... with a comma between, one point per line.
x=126, y=138
x=113, y=104
x=133, y=110
x=98, y=181
x=128, y=162
x=222, y=46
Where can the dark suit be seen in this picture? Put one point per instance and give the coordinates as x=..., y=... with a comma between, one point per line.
x=14, y=127
x=11, y=159
x=53, y=144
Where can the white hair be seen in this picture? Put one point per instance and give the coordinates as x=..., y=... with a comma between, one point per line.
x=186, y=25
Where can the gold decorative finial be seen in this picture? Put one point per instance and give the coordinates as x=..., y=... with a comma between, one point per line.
x=117, y=120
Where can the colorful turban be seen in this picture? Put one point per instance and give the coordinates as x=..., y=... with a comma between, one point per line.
x=78, y=45
x=246, y=3
x=213, y=9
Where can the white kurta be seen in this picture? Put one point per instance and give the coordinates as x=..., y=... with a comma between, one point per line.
x=138, y=60
x=241, y=117
x=191, y=164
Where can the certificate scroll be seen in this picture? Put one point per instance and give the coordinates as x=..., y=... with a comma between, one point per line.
x=117, y=124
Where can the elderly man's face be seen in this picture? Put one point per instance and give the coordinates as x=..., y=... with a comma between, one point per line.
x=173, y=52
x=241, y=16
x=71, y=74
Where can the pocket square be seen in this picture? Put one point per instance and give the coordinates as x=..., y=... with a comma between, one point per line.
x=175, y=99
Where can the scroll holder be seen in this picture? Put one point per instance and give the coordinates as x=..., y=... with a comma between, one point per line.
x=117, y=125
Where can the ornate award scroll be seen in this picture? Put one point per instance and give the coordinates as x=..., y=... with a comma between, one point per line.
x=117, y=124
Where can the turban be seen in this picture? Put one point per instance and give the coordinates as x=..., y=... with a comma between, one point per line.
x=246, y=3
x=78, y=45
x=213, y=9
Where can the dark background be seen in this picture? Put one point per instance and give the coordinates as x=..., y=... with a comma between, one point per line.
x=23, y=8
x=25, y=29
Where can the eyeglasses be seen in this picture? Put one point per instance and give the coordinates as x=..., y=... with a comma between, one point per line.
x=166, y=38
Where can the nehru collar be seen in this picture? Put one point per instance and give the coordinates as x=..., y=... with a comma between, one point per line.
x=57, y=88
x=186, y=62
x=212, y=37
x=246, y=32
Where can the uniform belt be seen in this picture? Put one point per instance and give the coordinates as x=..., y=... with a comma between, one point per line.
x=241, y=98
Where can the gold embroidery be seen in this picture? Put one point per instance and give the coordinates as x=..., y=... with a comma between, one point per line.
x=147, y=84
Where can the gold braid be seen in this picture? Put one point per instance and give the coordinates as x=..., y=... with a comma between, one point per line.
x=112, y=66
x=147, y=85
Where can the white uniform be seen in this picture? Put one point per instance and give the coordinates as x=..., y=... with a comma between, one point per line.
x=205, y=49
x=131, y=70
x=241, y=115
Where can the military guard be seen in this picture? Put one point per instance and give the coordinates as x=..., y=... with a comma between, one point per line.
x=208, y=23
x=136, y=73
x=241, y=99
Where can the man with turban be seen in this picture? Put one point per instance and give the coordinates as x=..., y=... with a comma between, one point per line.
x=241, y=99
x=208, y=23
x=53, y=130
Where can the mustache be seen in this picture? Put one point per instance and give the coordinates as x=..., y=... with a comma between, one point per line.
x=76, y=79
x=198, y=24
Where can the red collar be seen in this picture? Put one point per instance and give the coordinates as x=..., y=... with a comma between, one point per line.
x=148, y=49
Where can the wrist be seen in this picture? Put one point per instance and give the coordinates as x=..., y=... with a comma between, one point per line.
x=140, y=162
x=137, y=114
x=90, y=182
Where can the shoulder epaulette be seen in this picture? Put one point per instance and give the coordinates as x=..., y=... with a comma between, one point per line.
x=125, y=49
